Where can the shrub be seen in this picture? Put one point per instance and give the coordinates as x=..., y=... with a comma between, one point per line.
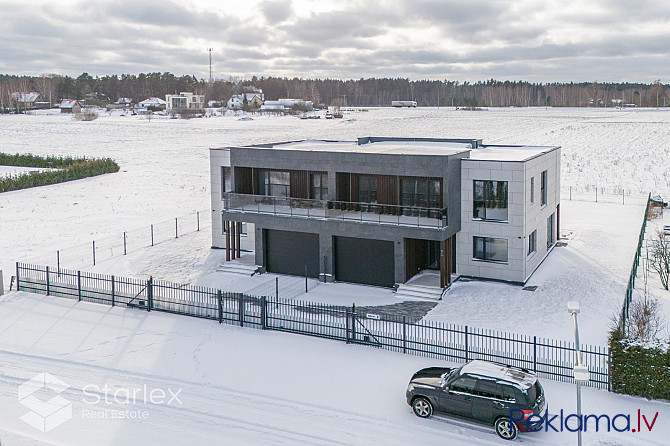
x=68, y=169
x=86, y=115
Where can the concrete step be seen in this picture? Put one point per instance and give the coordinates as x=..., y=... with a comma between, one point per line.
x=418, y=292
x=237, y=268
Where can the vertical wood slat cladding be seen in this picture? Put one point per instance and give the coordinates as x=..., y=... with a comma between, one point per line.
x=343, y=180
x=387, y=189
x=299, y=184
x=243, y=180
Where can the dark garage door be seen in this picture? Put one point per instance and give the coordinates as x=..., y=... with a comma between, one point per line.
x=288, y=252
x=365, y=261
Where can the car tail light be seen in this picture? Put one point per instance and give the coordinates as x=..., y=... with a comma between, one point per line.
x=526, y=413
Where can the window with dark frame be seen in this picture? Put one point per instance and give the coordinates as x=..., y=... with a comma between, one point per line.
x=367, y=189
x=532, y=242
x=543, y=189
x=490, y=249
x=490, y=200
x=319, y=186
x=550, y=231
x=532, y=190
x=274, y=183
x=420, y=192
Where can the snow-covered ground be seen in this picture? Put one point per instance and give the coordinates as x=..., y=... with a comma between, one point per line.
x=237, y=385
x=250, y=387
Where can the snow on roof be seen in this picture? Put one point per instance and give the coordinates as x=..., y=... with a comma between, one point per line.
x=508, y=153
x=152, y=101
x=68, y=103
x=25, y=97
x=385, y=147
x=503, y=372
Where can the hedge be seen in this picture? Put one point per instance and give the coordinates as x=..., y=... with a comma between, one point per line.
x=68, y=169
x=638, y=370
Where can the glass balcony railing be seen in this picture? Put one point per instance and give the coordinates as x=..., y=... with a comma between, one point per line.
x=383, y=214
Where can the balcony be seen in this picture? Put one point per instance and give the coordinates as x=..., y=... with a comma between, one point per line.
x=382, y=214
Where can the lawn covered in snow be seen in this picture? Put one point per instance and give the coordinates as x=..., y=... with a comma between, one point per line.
x=238, y=385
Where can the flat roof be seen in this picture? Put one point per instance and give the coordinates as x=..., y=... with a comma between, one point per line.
x=508, y=153
x=383, y=147
x=420, y=146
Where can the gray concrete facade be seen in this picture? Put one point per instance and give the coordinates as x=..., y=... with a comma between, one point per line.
x=452, y=163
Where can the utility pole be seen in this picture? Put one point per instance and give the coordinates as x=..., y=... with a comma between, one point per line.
x=210, y=64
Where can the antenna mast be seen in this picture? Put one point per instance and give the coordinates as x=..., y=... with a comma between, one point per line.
x=210, y=64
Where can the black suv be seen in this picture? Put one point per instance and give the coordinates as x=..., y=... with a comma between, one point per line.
x=509, y=398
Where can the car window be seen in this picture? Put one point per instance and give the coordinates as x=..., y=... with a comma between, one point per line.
x=508, y=393
x=464, y=384
x=488, y=389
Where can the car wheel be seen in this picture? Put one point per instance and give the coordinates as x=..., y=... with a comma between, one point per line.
x=506, y=429
x=422, y=408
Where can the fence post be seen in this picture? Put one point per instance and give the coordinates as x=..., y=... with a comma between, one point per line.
x=535, y=354
x=79, y=284
x=305, y=279
x=58, y=262
x=113, y=291
x=346, y=323
x=152, y=235
x=277, y=288
x=176, y=231
x=570, y=193
x=466, y=343
x=596, y=194
x=47, y=280
x=219, y=298
x=353, y=322
x=18, y=282
x=264, y=313
x=623, y=196
x=124, y=243
x=198, y=218
x=93, y=252
x=150, y=293
x=240, y=308
x=404, y=334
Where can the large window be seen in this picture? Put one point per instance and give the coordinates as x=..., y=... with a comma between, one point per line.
x=551, y=237
x=367, y=189
x=319, y=186
x=532, y=242
x=543, y=189
x=275, y=183
x=490, y=200
x=532, y=190
x=420, y=192
x=490, y=249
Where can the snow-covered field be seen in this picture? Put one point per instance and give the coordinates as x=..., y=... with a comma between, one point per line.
x=237, y=386
x=250, y=387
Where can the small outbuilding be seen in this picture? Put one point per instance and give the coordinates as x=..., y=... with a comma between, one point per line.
x=70, y=106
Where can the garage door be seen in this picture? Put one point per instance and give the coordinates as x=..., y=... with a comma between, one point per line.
x=289, y=252
x=365, y=261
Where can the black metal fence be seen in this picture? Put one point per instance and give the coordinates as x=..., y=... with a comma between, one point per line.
x=549, y=358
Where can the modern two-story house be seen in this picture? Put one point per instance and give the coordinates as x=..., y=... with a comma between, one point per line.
x=380, y=210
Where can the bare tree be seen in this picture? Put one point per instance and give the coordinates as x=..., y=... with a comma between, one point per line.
x=660, y=257
x=45, y=87
x=644, y=320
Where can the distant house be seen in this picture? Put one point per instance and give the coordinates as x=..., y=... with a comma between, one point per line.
x=152, y=102
x=124, y=101
x=255, y=100
x=185, y=101
x=70, y=106
x=25, y=100
x=213, y=104
x=282, y=105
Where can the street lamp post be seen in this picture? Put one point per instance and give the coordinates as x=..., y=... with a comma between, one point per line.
x=581, y=372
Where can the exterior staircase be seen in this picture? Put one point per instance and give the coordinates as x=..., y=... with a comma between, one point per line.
x=238, y=266
x=419, y=292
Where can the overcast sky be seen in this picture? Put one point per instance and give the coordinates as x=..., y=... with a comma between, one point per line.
x=534, y=40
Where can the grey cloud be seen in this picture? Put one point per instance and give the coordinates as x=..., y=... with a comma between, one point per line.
x=276, y=12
